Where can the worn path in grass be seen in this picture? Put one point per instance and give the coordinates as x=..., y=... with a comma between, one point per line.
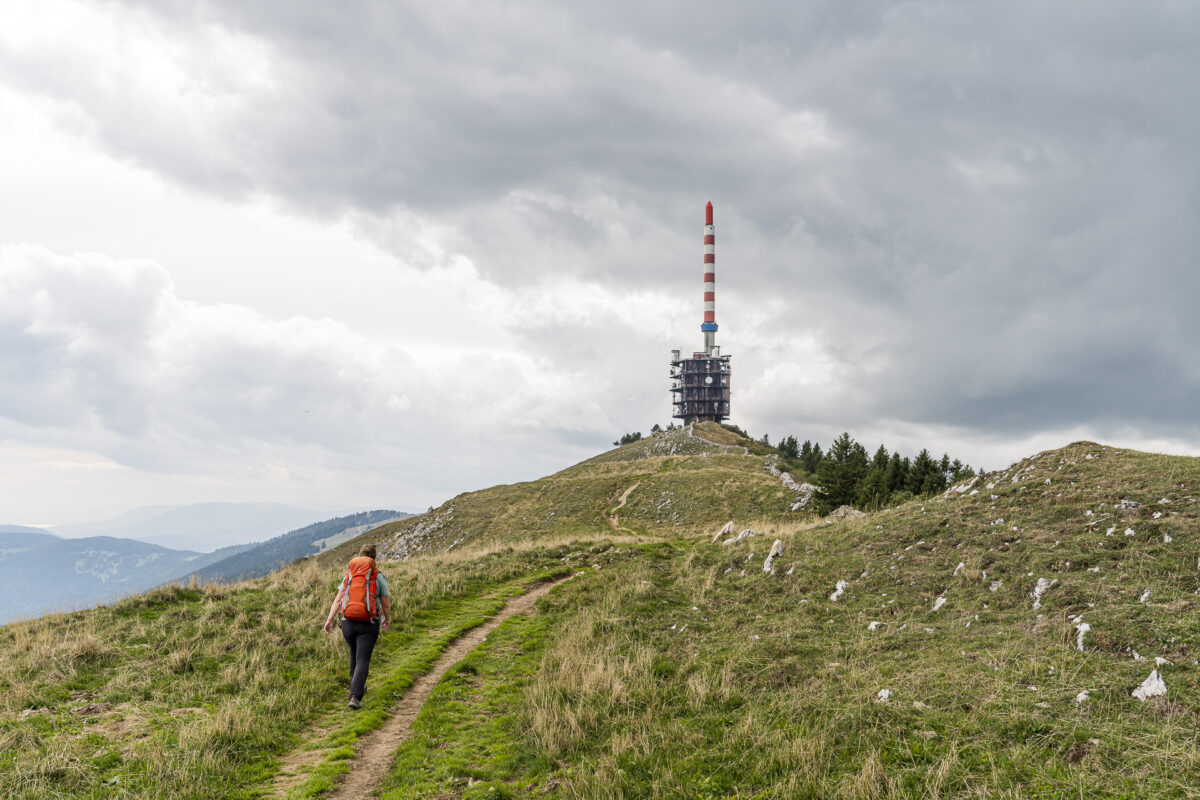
x=375, y=750
x=612, y=518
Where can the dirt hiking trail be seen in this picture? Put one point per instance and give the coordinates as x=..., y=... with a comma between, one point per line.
x=612, y=519
x=370, y=764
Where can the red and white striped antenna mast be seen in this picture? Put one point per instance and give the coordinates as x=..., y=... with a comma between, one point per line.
x=700, y=384
x=710, y=281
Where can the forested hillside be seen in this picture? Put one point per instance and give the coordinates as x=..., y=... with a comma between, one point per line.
x=286, y=548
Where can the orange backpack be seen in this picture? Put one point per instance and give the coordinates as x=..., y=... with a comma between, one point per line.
x=360, y=603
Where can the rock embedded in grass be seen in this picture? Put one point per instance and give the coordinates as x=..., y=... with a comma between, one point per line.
x=776, y=550
x=1153, y=686
x=1040, y=589
x=746, y=534
x=1083, y=628
x=725, y=531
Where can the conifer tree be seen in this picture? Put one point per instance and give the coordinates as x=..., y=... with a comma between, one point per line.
x=788, y=448
x=919, y=473
x=815, y=459
x=935, y=481
x=874, y=492
x=897, y=473
x=842, y=471
x=880, y=459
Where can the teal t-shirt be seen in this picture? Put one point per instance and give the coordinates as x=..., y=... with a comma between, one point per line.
x=380, y=583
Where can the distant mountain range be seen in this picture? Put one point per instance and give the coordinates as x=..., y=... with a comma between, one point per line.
x=202, y=527
x=309, y=540
x=42, y=572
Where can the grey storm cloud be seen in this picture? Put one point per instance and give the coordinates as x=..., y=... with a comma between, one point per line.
x=983, y=213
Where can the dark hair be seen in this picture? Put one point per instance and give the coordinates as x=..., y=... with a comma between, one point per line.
x=367, y=550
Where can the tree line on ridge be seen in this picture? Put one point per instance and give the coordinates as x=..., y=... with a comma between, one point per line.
x=848, y=476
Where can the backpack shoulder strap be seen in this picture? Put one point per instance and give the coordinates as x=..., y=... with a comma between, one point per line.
x=373, y=593
x=345, y=591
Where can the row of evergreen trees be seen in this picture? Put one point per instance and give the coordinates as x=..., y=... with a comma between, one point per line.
x=848, y=476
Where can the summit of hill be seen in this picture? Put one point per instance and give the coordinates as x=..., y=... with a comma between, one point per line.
x=1030, y=632
x=673, y=483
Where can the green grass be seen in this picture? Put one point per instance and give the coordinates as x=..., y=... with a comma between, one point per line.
x=408, y=656
x=687, y=484
x=201, y=689
x=770, y=689
x=680, y=669
x=467, y=741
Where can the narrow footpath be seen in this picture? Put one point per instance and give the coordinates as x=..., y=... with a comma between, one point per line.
x=612, y=519
x=375, y=750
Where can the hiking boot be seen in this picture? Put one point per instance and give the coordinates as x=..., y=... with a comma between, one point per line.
x=355, y=702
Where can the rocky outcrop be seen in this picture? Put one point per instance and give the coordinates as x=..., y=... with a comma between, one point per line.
x=804, y=491
x=847, y=512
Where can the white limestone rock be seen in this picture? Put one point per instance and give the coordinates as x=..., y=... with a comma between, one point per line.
x=746, y=534
x=728, y=529
x=776, y=550
x=1083, y=628
x=847, y=512
x=1039, y=590
x=1153, y=686
x=839, y=590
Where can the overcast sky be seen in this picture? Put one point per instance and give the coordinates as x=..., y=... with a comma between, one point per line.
x=379, y=253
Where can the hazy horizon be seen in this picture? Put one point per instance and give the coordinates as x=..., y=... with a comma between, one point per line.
x=411, y=250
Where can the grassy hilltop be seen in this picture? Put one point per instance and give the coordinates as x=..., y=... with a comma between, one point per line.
x=686, y=480
x=672, y=666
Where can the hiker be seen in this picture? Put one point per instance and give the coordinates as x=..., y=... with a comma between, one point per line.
x=363, y=604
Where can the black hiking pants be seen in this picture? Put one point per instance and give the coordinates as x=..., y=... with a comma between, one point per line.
x=360, y=638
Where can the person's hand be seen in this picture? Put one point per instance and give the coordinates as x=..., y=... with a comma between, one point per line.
x=329, y=625
x=387, y=623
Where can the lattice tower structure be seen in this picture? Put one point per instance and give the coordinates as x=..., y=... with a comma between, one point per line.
x=700, y=384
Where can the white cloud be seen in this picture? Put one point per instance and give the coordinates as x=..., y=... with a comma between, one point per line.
x=489, y=225
x=109, y=359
